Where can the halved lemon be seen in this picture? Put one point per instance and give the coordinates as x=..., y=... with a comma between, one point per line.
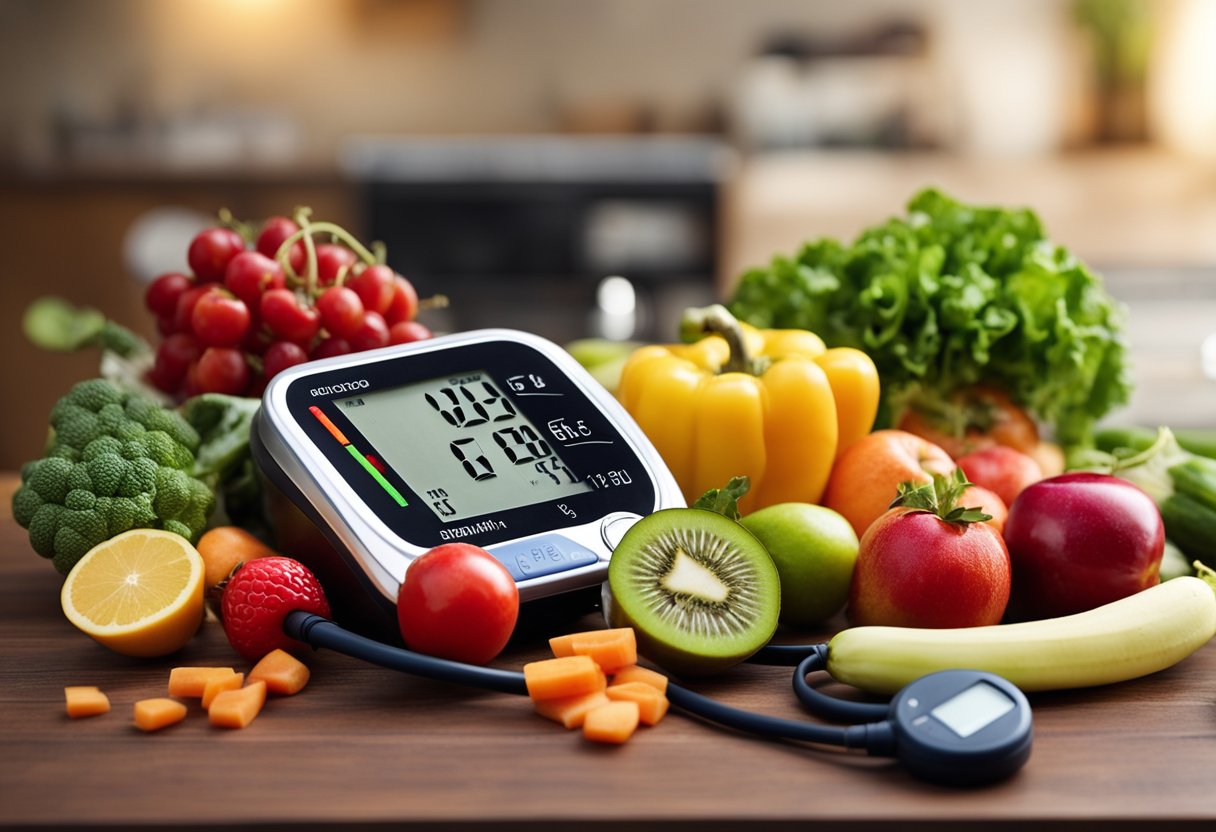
x=139, y=593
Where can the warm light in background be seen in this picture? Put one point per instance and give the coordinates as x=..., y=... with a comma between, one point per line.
x=1183, y=84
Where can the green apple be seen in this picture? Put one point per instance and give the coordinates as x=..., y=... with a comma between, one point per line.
x=602, y=358
x=815, y=550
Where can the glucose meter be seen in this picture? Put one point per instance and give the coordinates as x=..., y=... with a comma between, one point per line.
x=496, y=438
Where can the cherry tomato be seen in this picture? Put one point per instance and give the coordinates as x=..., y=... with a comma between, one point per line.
x=372, y=334
x=210, y=252
x=173, y=357
x=374, y=286
x=405, y=332
x=332, y=260
x=341, y=311
x=184, y=312
x=281, y=311
x=330, y=347
x=279, y=356
x=458, y=602
x=404, y=305
x=274, y=233
x=162, y=293
x=222, y=370
x=166, y=324
x=250, y=274
x=220, y=320
x=258, y=338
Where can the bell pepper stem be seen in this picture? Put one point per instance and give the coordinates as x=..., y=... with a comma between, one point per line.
x=715, y=319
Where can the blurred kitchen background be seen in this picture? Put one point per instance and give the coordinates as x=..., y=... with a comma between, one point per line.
x=516, y=154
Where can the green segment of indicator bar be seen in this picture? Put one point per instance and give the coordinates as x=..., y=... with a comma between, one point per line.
x=376, y=475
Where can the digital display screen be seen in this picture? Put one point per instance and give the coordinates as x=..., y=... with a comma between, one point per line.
x=976, y=707
x=462, y=445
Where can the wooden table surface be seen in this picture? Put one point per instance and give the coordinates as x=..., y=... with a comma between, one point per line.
x=366, y=747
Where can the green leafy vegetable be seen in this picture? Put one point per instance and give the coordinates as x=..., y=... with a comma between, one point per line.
x=951, y=296
x=223, y=460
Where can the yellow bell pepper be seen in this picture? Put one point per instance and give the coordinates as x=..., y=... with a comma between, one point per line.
x=774, y=405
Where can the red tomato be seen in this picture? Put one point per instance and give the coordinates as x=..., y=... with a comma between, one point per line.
x=405, y=332
x=210, y=251
x=915, y=569
x=404, y=304
x=374, y=286
x=458, y=602
x=989, y=418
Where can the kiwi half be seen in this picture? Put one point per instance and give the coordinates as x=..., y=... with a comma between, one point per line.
x=700, y=591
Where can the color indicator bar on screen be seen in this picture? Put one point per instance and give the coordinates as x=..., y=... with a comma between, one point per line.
x=358, y=455
x=376, y=475
x=329, y=426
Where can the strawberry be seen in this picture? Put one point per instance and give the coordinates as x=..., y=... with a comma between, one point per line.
x=258, y=597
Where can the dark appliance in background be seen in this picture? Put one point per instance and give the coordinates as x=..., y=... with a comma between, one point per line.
x=534, y=233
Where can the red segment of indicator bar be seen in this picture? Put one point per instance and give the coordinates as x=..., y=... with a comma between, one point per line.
x=329, y=426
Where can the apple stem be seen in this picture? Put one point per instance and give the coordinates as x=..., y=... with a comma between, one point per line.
x=941, y=498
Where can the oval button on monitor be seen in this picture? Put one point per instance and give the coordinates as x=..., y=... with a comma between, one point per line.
x=614, y=526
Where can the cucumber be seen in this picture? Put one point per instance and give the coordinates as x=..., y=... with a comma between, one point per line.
x=1199, y=441
x=1191, y=526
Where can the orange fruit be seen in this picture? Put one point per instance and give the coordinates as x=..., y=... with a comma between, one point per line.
x=866, y=477
x=223, y=547
x=139, y=593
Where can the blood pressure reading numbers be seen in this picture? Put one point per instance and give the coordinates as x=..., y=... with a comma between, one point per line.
x=463, y=445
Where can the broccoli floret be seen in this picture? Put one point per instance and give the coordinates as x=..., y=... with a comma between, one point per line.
x=117, y=461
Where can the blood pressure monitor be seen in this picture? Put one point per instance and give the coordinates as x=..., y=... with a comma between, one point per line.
x=496, y=438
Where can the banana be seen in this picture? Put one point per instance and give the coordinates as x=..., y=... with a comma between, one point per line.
x=1134, y=636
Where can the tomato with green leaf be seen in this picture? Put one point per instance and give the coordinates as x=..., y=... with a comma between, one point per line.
x=931, y=562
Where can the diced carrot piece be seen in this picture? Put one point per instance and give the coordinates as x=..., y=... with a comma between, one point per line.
x=217, y=685
x=188, y=682
x=85, y=700
x=652, y=704
x=570, y=711
x=564, y=645
x=161, y=712
x=237, y=708
x=612, y=723
x=637, y=673
x=620, y=650
x=562, y=677
x=282, y=672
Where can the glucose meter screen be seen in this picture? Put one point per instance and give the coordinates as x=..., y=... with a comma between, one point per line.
x=977, y=706
x=462, y=445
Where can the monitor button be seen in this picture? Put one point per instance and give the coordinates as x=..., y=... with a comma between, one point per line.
x=614, y=526
x=543, y=555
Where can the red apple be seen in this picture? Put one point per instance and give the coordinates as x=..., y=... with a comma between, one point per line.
x=1002, y=470
x=1078, y=541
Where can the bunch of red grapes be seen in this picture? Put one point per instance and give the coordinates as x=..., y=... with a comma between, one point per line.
x=256, y=304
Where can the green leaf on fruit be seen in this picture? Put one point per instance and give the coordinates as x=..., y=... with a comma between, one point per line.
x=725, y=500
x=941, y=498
